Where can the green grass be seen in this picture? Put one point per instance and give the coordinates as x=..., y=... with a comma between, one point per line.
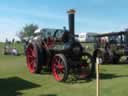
x=15, y=80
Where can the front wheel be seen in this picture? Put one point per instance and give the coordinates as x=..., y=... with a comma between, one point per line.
x=87, y=68
x=60, y=67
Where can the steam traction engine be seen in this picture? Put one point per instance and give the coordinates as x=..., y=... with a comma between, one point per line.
x=110, y=47
x=58, y=50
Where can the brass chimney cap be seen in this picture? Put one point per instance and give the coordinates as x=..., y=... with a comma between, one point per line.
x=71, y=11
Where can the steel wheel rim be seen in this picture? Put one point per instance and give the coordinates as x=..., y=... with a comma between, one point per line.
x=31, y=58
x=58, y=68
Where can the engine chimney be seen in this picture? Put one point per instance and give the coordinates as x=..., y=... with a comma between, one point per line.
x=71, y=15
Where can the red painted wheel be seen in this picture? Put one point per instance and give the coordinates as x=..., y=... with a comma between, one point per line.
x=34, y=58
x=60, y=68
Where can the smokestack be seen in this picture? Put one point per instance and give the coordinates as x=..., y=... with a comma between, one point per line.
x=71, y=15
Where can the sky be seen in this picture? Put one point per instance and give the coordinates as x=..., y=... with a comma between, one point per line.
x=91, y=15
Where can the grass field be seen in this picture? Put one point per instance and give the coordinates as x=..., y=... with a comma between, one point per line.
x=15, y=80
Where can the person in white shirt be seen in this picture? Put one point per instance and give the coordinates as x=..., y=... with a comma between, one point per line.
x=14, y=51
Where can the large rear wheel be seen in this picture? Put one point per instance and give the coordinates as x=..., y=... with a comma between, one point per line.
x=60, y=68
x=35, y=58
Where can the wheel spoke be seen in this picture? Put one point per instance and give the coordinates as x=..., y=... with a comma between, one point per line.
x=33, y=54
x=30, y=49
x=32, y=62
x=30, y=57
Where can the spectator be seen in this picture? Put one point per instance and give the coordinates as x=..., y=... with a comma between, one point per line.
x=14, y=52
